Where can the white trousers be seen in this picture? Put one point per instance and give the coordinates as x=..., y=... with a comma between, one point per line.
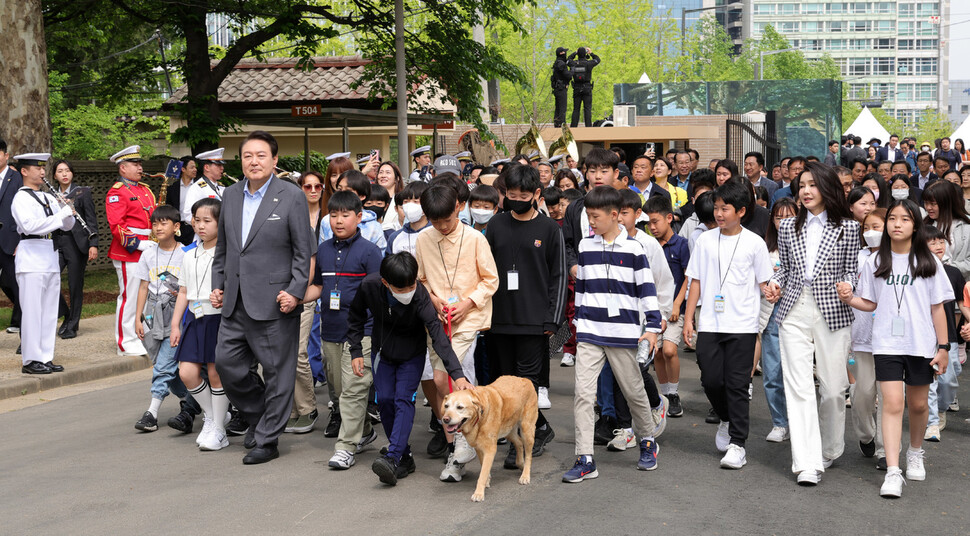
x=39, y=292
x=865, y=415
x=817, y=427
x=125, y=313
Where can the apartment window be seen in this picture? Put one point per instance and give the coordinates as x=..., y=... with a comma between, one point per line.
x=788, y=9
x=859, y=44
x=907, y=10
x=788, y=27
x=836, y=8
x=906, y=27
x=810, y=26
x=885, y=25
x=882, y=44
x=927, y=9
x=883, y=90
x=926, y=28
x=759, y=27
x=859, y=67
x=838, y=26
x=811, y=9
x=860, y=26
x=964, y=108
x=883, y=66
x=884, y=7
x=836, y=44
x=858, y=91
x=925, y=92
x=811, y=44
x=764, y=9
x=927, y=44
x=859, y=7
x=925, y=66
x=905, y=66
x=905, y=44
x=906, y=116
x=904, y=92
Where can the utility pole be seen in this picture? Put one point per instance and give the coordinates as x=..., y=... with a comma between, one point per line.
x=402, y=91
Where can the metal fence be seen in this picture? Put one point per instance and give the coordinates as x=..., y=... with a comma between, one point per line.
x=744, y=136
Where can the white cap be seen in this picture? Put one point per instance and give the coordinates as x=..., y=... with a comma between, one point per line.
x=500, y=161
x=464, y=155
x=421, y=150
x=555, y=158
x=128, y=154
x=534, y=155
x=335, y=156
x=363, y=160
x=214, y=156
x=33, y=159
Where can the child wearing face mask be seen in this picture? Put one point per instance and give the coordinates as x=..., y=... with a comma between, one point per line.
x=407, y=203
x=484, y=204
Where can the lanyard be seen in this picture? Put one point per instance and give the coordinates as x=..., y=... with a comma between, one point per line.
x=201, y=280
x=901, y=294
x=167, y=263
x=451, y=279
x=46, y=204
x=610, y=262
x=722, y=276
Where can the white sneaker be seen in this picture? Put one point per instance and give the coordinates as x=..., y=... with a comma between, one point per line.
x=544, y=402
x=723, y=438
x=955, y=405
x=659, y=415
x=942, y=424
x=826, y=463
x=463, y=452
x=810, y=477
x=892, y=486
x=342, y=459
x=622, y=440
x=734, y=459
x=568, y=360
x=216, y=440
x=932, y=433
x=777, y=434
x=453, y=470
x=914, y=465
x=750, y=391
x=206, y=430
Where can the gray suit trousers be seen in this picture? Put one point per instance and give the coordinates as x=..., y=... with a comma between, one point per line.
x=273, y=344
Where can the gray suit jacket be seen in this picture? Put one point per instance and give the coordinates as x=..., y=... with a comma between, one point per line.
x=275, y=257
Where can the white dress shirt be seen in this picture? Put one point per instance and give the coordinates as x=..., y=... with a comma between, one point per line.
x=814, y=227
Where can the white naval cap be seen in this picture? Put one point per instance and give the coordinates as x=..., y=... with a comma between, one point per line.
x=335, y=156
x=534, y=155
x=500, y=161
x=128, y=154
x=555, y=158
x=464, y=155
x=363, y=160
x=212, y=157
x=421, y=150
x=33, y=159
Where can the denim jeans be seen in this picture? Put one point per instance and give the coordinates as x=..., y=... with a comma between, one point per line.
x=314, y=353
x=604, y=391
x=944, y=389
x=165, y=373
x=771, y=373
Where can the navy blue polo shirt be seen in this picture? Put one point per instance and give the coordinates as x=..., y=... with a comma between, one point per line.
x=677, y=253
x=341, y=267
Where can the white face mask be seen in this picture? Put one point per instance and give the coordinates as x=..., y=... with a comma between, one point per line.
x=412, y=212
x=872, y=238
x=875, y=193
x=900, y=193
x=404, y=298
x=481, y=215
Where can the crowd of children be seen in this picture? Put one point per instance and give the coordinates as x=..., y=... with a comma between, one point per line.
x=445, y=285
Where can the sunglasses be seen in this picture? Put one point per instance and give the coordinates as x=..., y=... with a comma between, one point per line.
x=312, y=187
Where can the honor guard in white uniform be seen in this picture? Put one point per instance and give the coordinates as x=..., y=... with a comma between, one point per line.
x=422, y=158
x=211, y=165
x=128, y=207
x=37, y=215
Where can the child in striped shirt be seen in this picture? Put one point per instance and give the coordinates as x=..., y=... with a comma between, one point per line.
x=614, y=287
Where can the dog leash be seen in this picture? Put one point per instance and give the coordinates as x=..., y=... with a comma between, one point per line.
x=451, y=388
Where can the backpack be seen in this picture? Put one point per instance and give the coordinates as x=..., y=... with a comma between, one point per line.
x=580, y=73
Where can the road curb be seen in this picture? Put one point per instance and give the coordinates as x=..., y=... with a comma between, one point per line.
x=71, y=376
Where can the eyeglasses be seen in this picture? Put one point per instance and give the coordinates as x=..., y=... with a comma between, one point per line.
x=312, y=187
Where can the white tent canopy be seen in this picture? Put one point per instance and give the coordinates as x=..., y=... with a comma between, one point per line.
x=644, y=79
x=963, y=132
x=866, y=126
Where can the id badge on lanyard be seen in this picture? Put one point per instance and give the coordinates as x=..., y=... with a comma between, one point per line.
x=334, y=300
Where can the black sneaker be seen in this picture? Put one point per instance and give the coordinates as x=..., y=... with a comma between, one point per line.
x=386, y=470
x=405, y=466
x=712, y=417
x=881, y=463
x=510, y=458
x=868, y=449
x=674, y=409
x=438, y=446
x=374, y=413
x=543, y=438
x=184, y=421
x=603, y=430
x=237, y=425
x=434, y=425
x=333, y=426
x=147, y=423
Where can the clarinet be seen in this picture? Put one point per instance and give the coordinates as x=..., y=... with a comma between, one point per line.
x=65, y=202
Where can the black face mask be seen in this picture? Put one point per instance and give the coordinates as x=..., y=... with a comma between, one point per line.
x=519, y=207
x=378, y=210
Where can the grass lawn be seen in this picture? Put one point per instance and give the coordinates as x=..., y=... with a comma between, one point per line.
x=100, y=295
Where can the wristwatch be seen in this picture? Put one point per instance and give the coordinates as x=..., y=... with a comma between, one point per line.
x=943, y=347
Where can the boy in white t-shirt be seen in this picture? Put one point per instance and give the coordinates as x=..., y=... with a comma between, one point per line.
x=727, y=269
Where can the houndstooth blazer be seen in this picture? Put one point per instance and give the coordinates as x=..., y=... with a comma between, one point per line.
x=837, y=260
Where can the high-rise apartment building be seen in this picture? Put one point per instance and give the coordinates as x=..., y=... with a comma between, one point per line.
x=891, y=51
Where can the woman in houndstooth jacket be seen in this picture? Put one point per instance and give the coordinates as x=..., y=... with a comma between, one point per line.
x=817, y=249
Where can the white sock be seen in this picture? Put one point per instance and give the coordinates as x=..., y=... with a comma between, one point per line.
x=220, y=405
x=203, y=396
x=153, y=407
x=648, y=438
x=673, y=388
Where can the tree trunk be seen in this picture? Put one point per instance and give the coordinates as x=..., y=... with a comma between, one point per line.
x=24, y=113
x=202, y=99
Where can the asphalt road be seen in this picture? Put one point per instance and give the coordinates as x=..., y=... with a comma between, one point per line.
x=75, y=465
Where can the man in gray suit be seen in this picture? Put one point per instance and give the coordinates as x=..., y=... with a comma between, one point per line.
x=262, y=259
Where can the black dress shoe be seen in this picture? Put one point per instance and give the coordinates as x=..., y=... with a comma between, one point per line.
x=261, y=455
x=55, y=368
x=712, y=417
x=61, y=329
x=68, y=334
x=36, y=367
x=250, y=440
x=18, y=349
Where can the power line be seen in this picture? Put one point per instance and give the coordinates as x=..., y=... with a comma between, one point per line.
x=109, y=56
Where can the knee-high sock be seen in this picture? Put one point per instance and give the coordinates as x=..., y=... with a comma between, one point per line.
x=220, y=404
x=203, y=395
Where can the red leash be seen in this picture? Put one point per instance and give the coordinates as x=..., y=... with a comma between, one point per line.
x=451, y=388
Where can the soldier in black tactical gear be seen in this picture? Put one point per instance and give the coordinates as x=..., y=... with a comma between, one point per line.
x=581, y=70
x=560, y=85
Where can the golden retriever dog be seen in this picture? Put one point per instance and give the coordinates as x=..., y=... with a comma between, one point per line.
x=508, y=407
